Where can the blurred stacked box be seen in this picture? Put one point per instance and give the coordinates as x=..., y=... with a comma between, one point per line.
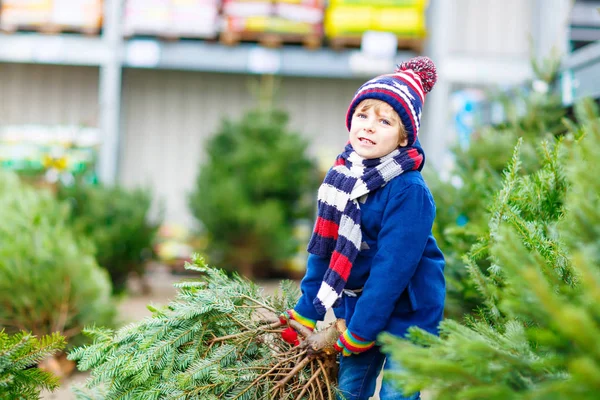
x=51, y=15
x=35, y=149
x=85, y=15
x=146, y=17
x=288, y=20
x=195, y=18
x=171, y=18
x=308, y=14
x=351, y=18
x=15, y=14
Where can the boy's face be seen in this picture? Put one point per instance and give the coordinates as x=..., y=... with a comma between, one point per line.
x=375, y=131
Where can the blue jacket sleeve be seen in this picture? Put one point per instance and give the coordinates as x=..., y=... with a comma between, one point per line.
x=315, y=270
x=406, y=225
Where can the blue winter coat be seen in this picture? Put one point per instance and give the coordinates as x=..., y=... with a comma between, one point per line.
x=400, y=267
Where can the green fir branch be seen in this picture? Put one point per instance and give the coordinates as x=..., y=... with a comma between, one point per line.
x=538, y=268
x=19, y=376
x=219, y=339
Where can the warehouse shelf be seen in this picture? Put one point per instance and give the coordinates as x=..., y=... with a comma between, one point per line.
x=581, y=74
x=53, y=49
x=252, y=58
x=110, y=52
x=194, y=55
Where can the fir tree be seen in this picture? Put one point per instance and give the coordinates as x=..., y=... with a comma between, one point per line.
x=117, y=222
x=49, y=279
x=536, y=336
x=253, y=186
x=532, y=113
x=219, y=339
x=19, y=353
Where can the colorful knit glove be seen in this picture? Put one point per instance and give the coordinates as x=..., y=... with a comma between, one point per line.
x=348, y=343
x=289, y=334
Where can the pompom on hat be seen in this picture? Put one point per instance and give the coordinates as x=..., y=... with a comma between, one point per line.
x=404, y=91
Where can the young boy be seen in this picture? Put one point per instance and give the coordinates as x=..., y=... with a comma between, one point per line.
x=373, y=258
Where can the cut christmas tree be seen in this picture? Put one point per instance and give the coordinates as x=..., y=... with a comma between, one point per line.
x=220, y=338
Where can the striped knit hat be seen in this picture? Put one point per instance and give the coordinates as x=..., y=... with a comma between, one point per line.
x=404, y=91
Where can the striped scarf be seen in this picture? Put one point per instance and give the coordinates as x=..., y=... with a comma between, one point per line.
x=337, y=230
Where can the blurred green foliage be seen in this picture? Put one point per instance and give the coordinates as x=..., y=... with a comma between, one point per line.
x=49, y=278
x=256, y=181
x=117, y=222
x=536, y=334
x=532, y=113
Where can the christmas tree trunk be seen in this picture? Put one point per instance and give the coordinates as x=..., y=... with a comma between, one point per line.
x=220, y=338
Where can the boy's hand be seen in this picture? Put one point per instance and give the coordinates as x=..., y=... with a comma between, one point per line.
x=289, y=334
x=348, y=343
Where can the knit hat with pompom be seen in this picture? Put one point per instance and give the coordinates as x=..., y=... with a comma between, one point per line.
x=404, y=91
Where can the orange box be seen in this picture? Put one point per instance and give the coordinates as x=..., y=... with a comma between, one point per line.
x=25, y=12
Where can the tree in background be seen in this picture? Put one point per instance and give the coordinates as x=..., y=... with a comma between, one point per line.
x=117, y=222
x=257, y=180
x=462, y=202
x=49, y=279
x=537, y=334
x=19, y=353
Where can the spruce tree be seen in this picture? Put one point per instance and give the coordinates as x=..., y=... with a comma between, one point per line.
x=531, y=112
x=536, y=335
x=19, y=354
x=254, y=185
x=116, y=220
x=49, y=279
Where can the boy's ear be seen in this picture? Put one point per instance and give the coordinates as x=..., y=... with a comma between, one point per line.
x=403, y=143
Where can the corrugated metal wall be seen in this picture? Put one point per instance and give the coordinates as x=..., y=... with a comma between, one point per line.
x=48, y=94
x=168, y=115
x=490, y=27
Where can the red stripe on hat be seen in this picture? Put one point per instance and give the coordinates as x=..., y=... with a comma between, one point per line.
x=340, y=264
x=416, y=78
x=326, y=228
x=348, y=115
x=414, y=154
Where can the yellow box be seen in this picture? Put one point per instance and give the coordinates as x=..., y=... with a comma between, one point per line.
x=347, y=20
x=355, y=20
x=410, y=21
x=380, y=3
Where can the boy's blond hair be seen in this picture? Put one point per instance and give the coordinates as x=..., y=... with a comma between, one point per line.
x=377, y=106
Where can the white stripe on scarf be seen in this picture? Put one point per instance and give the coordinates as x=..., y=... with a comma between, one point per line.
x=327, y=295
x=350, y=230
x=333, y=196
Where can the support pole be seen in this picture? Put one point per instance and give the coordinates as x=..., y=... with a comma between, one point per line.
x=110, y=93
x=434, y=133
